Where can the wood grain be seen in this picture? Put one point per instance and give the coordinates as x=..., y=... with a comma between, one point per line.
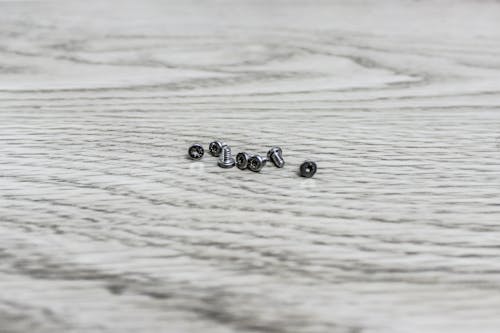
x=106, y=226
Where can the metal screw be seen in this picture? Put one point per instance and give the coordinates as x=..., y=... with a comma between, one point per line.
x=225, y=159
x=256, y=163
x=242, y=160
x=308, y=169
x=276, y=156
x=196, y=151
x=215, y=148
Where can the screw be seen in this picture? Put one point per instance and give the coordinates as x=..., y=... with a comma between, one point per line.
x=242, y=160
x=215, y=148
x=196, y=151
x=225, y=159
x=276, y=156
x=308, y=169
x=256, y=163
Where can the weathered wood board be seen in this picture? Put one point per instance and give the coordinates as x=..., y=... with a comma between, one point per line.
x=106, y=226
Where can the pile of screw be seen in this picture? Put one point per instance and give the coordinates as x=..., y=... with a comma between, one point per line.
x=244, y=160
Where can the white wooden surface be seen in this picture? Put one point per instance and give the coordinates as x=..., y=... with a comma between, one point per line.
x=105, y=226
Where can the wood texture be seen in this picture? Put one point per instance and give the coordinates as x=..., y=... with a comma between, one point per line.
x=106, y=226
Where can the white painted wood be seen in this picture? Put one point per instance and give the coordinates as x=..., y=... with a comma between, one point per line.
x=106, y=226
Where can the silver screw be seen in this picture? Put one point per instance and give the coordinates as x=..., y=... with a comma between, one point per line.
x=276, y=156
x=226, y=160
x=242, y=160
x=215, y=148
x=256, y=163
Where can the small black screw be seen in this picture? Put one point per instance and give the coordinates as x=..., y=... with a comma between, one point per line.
x=308, y=169
x=196, y=151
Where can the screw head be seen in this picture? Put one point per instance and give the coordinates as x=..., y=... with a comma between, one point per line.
x=308, y=169
x=196, y=151
x=242, y=160
x=215, y=148
x=226, y=165
x=274, y=150
x=256, y=163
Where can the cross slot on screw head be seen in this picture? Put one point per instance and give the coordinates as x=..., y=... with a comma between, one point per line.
x=196, y=151
x=242, y=160
x=215, y=148
x=256, y=163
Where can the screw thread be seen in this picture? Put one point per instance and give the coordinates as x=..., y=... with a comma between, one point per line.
x=277, y=159
x=226, y=154
x=226, y=160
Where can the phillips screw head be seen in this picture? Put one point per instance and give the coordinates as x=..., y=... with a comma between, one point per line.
x=215, y=148
x=196, y=151
x=242, y=160
x=256, y=163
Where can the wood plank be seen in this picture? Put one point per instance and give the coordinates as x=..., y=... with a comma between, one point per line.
x=106, y=226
